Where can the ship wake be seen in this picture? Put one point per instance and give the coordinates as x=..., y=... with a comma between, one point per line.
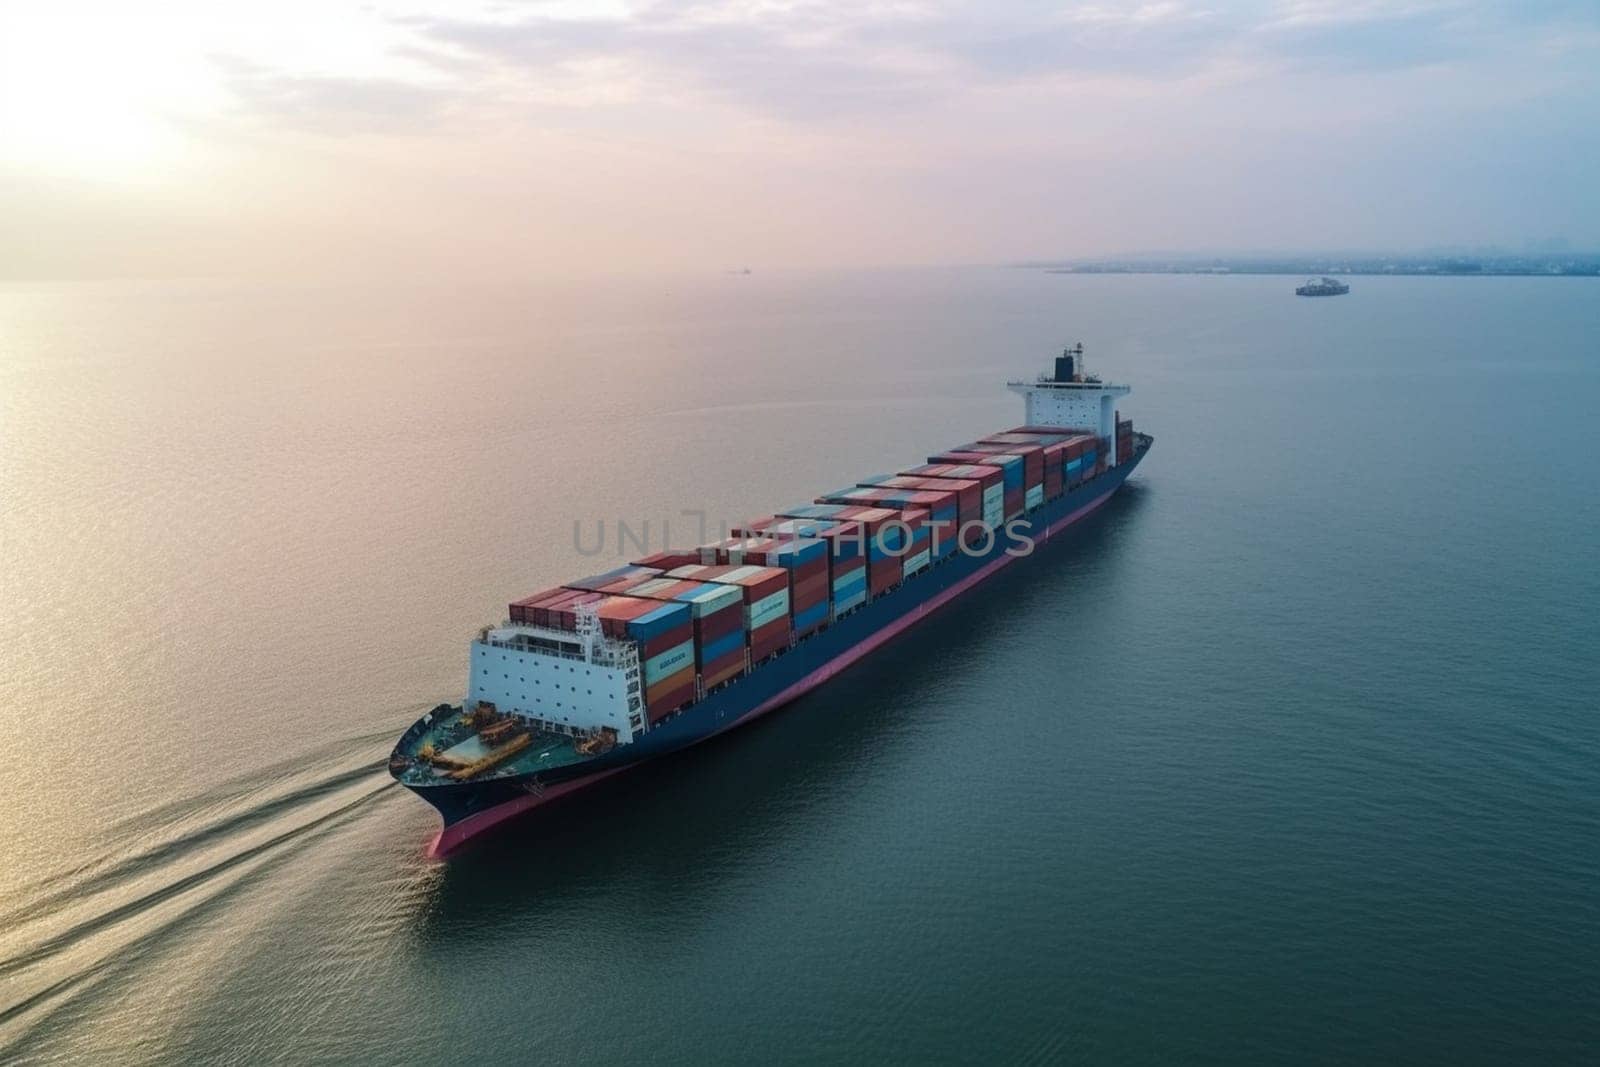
x=160, y=871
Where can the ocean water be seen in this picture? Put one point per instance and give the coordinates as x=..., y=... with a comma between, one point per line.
x=1290, y=753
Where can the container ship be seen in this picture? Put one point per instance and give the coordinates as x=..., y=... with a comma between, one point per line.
x=585, y=680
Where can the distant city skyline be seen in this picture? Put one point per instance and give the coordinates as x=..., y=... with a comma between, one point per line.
x=573, y=138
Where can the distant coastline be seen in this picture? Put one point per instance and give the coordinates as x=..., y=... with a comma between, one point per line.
x=1552, y=265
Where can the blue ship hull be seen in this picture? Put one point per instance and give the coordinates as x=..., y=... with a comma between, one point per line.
x=470, y=808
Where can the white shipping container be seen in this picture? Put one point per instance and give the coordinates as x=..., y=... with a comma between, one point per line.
x=768, y=608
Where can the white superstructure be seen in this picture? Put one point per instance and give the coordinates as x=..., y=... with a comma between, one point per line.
x=1074, y=399
x=570, y=682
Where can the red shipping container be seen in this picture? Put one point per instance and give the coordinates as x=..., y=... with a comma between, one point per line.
x=546, y=610
x=884, y=574
x=815, y=568
x=565, y=616
x=519, y=609
x=668, y=695
x=543, y=612
x=769, y=639
x=768, y=648
x=730, y=666
x=615, y=611
x=671, y=639
x=719, y=623
x=1055, y=458
x=808, y=593
x=846, y=567
x=532, y=610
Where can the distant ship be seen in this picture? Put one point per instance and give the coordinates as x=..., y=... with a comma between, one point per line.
x=591, y=678
x=1326, y=287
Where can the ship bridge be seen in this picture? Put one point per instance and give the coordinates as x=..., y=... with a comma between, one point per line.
x=1073, y=399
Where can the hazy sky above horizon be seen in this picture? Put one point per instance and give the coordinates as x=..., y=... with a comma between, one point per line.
x=500, y=138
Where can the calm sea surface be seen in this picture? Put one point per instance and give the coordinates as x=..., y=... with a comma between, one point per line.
x=1291, y=753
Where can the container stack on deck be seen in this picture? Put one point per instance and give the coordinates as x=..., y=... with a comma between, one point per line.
x=902, y=544
x=614, y=580
x=553, y=608
x=1032, y=457
x=1083, y=454
x=990, y=480
x=714, y=611
x=765, y=592
x=806, y=560
x=1011, y=467
x=938, y=530
x=1054, y=447
x=663, y=631
x=846, y=557
x=718, y=612
x=884, y=568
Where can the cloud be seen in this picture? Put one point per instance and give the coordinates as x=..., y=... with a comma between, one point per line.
x=795, y=66
x=856, y=63
x=1313, y=37
x=328, y=103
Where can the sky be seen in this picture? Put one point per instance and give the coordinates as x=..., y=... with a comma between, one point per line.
x=499, y=139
